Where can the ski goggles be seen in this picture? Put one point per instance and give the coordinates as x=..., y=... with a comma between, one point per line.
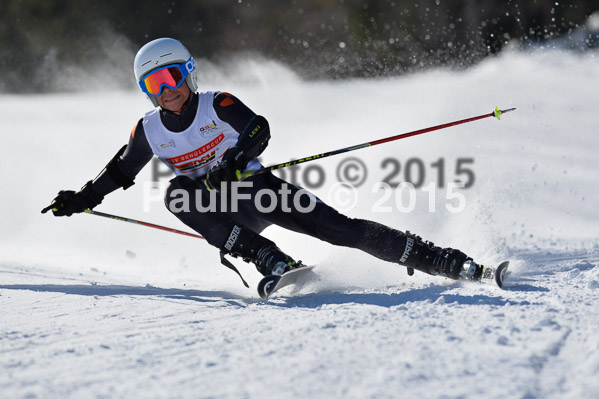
x=171, y=76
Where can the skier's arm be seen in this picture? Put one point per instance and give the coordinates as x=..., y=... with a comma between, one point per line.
x=253, y=129
x=254, y=134
x=119, y=172
x=126, y=164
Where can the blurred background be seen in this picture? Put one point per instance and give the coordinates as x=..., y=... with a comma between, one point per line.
x=351, y=72
x=53, y=45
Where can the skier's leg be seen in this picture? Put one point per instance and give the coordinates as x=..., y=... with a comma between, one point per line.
x=180, y=199
x=234, y=233
x=395, y=246
x=383, y=242
x=252, y=247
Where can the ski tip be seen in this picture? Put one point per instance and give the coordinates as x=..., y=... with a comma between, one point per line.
x=267, y=286
x=500, y=273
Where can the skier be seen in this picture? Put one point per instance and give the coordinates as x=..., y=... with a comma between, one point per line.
x=206, y=138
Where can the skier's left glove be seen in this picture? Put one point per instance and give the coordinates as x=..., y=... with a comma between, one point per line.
x=69, y=202
x=226, y=169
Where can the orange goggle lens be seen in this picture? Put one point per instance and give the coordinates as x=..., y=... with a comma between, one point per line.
x=170, y=77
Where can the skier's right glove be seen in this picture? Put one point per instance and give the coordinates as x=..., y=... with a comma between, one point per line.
x=69, y=202
x=225, y=171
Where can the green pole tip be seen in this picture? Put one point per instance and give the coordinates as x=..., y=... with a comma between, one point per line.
x=497, y=113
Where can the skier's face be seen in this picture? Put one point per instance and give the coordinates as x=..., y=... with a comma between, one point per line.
x=173, y=99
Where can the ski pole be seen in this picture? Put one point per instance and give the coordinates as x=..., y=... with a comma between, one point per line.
x=223, y=260
x=114, y=217
x=496, y=113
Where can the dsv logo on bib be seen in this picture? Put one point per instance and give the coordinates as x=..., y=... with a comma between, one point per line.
x=204, y=130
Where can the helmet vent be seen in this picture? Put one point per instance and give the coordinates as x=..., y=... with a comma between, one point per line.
x=164, y=55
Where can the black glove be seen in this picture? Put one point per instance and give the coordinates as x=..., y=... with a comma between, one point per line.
x=68, y=202
x=226, y=169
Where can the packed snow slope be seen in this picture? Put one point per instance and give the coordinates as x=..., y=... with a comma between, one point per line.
x=93, y=307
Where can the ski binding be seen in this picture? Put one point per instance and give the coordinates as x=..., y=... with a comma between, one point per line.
x=496, y=275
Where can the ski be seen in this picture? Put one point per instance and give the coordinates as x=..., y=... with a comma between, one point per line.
x=270, y=284
x=495, y=275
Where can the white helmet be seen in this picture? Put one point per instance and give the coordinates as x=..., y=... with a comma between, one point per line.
x=161, y=52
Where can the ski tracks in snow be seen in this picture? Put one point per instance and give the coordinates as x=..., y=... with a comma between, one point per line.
x=63, y=335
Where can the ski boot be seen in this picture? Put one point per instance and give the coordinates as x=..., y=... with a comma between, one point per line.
x=448, y=262
x=272, y=261
x=252, y=247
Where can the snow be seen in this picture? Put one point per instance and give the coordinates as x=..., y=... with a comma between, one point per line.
x=98, y=308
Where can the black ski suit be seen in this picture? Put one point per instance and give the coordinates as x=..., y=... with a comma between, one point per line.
x=323, y=222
